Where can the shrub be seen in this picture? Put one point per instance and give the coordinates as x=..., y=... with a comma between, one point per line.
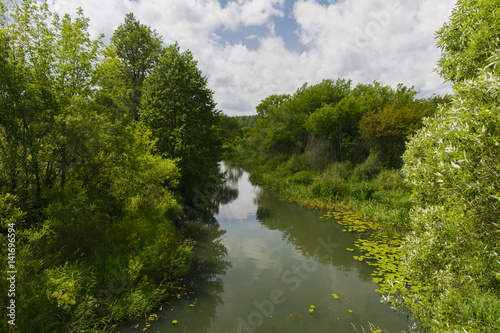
x=302, y=177
x=361, y=190
x=368, y=169
x=329, y=186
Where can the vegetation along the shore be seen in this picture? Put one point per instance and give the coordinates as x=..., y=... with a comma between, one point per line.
x=427, y=167
x=96, y=161
x=104, y=147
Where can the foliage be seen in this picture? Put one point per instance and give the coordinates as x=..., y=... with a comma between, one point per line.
x=338, y=124
x=139, y=48
x=230, y=127
x=179, y=109
x=468, y=39
x=453, y=167
x=334, y=122
x=332, y=146
x=94, y=208
x=387, y=130
x=383, y=198
x=452, y=164
x=246, y=121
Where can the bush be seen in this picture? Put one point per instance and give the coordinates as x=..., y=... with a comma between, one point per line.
x=341, y=170
x=390, y=180
x=453, y=166
x=297, y=163
x=361, y=191
x=368, y=169
x=318, y=154
x=329, y=186
x=302, y=177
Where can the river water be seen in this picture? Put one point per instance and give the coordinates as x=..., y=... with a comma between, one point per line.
x=263, y=264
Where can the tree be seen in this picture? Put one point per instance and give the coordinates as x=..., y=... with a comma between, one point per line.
x=98, y=204
x=468, y=39
x=180, y=111
x=387, y=130
x=453, y=166
x=139, y=48
x=338, y=123
x=230, y=128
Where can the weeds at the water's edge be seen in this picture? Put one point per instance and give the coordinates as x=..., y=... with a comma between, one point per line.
x=373, y=329
x=380, y=248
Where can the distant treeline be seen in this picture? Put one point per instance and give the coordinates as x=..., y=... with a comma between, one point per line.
x=335, y=122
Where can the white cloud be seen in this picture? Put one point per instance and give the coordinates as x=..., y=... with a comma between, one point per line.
x=390, y=41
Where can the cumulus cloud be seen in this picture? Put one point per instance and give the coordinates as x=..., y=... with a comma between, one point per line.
x=391, y=41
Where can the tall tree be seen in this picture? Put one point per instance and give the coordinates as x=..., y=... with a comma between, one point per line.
x=139, y=48
x=179, y=109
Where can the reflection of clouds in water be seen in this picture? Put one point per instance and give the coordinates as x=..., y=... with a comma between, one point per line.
x=252, y=251
x=243, y=207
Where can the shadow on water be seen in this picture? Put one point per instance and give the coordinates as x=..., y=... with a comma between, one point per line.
x=259, y=263
x=306, y=230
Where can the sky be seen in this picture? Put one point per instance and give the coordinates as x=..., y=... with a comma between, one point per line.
x=250, y=49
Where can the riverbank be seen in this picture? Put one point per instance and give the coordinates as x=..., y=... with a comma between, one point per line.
x=371, y=192
x=263, y=262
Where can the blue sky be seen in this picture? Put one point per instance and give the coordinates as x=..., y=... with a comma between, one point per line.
x=250, y=49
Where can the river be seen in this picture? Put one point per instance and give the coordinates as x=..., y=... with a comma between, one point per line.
x=265, y=265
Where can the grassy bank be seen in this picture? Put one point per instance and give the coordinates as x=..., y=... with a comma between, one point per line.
x=367, y=189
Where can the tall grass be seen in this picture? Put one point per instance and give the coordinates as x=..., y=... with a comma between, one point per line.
x=373, y=192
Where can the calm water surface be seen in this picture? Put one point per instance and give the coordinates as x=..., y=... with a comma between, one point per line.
x=263, y=262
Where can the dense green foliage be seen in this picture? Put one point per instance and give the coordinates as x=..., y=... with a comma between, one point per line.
x=469, y=39
x=179, y=109
x=92, y=204
x=453, y=166
x=332, y=145
x=246, y=121
x=139, y=49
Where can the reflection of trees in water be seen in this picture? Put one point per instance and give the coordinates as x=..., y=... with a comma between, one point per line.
x=206, y=201
x=208, y=263
x=304, y=229
x=233, y=175
x=208, y=268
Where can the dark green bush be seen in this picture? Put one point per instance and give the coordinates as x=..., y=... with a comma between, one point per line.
x=329, y=186
x=368, y=169
x=302, y=177
x=361, y=191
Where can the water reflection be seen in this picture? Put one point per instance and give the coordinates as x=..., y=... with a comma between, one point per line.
x=312, y=236
x=209, y=267
x=260, y=263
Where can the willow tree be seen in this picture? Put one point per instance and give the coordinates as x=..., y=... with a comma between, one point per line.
x=453, y=165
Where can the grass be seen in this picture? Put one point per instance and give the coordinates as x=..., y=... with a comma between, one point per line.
x=373, y=193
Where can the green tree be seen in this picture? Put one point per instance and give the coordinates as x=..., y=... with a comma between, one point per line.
x=180, y=111
x=230, y=128
x=453, y=167
x=453, y=164
x=338, y=123
x=98, y=203
x=139, y=48
x=387, y=130
x=468, y=39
